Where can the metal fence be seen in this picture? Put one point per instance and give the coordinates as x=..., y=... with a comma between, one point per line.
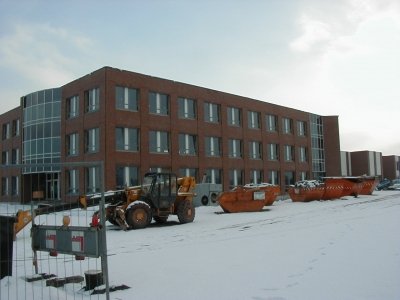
x=59, y=254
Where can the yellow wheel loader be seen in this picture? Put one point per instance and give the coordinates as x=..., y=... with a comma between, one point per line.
x=160, y=195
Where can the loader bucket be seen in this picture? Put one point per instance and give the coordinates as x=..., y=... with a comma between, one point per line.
x=23, y=218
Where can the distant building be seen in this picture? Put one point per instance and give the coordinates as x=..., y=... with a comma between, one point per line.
x=391, y=166
x=360, y=163
x=136, y=123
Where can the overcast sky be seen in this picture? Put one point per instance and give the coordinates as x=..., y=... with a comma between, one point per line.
x=337, y=57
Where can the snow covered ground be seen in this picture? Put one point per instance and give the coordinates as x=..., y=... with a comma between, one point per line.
x=341, y=249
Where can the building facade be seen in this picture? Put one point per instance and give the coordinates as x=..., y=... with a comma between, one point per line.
x=136, y=123
x=359, y=163
x=391, y=166
x=11, y=145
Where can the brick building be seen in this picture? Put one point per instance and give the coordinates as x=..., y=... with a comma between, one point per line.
x=391, y=166
x=360, y=163
x=136, y=123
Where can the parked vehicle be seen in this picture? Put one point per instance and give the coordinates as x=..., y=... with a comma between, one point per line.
x=206, y=194
x=384, y=184
x=394, y=185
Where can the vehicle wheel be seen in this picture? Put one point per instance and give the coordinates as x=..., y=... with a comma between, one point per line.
x=204, y=200
x=186, y=212
x=138, y=215
x=160, y=219
x=214, y=198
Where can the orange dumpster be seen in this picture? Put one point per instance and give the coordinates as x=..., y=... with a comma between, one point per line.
x=306, y=190
x=352, y=186
x=333, y=188
x=248, y=198
x=306, y=194
x=369, y=183
x=349, y=186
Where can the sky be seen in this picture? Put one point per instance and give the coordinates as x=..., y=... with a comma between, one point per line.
x=325, y=57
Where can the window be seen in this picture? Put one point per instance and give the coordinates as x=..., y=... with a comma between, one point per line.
x=256, y=176
x=14, y=185
x=255, y=150
x=15, y=127
x=4, y=186
x=159, y=142
x=303, y=154
x=272, y=123
x=213, y=146
x=6, y=131
x=186, y=108
x=213, y=176
x=288, y=153
x=92, y=140
x=92, y=100
x=253, y=120
x=4, y=158
x=211, y=112
x=15, y=156
x=127, y=139
x=303, y=175
x=187, y=144
x=126, y=98
x=273, y=152
x=72, y=107
x=193, y=172
x=235, y=148
x=287, y=125
x=92, y=180
x=158, y=104
x=301, y=128
x=235, y=177
x=72, y=144
x=317, y=146
x=234, y=116
x=289, y=178
x=72, y=177
x=127, y=176
x=160, y=169
x=273, y=177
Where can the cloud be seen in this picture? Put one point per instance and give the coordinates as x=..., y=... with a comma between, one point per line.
x=347, y=64
x=315, y=32
x=43, y=54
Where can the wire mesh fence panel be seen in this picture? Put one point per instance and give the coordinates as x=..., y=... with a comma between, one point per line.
x=47, y=243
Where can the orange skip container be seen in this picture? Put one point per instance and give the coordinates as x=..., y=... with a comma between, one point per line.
x=248, y=198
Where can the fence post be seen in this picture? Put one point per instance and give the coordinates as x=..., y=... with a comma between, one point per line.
x=6, y=245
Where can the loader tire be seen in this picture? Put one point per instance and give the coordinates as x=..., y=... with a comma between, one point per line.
x=160, y=219
x=138, y=215
x=186, y=212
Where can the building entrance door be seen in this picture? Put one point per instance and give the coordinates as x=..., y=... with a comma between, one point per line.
x=52, y=186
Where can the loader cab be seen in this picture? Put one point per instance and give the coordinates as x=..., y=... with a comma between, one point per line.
x=159, y=189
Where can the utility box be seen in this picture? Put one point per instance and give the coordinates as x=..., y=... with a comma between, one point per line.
x=206, y=194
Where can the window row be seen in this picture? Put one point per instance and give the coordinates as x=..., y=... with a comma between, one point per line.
x=10, y=186
x=10, y=129
x=130, y=176
x=159, y=104
x=128, y=139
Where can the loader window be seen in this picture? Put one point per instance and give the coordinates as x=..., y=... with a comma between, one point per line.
x=146, y=186
x=164, y=184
